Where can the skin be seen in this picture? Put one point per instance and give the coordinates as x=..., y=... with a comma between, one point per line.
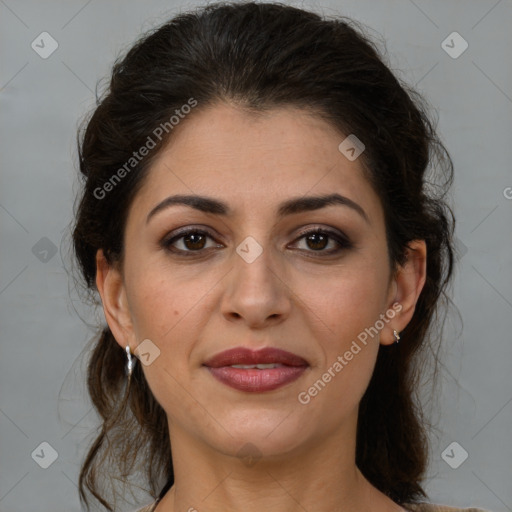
x=290, y=297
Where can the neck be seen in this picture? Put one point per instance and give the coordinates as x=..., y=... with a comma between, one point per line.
x=323, y=478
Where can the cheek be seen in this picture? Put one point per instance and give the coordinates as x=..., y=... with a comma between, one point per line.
x=335, y=387
x=345, y=302
x=343, y=310
x=161, y=303
x=171, y=309
x=167, y=313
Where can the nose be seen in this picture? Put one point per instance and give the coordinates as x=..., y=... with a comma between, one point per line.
x=256, y=292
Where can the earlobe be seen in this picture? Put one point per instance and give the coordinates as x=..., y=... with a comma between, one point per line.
x=408, y=283
x=112, y=291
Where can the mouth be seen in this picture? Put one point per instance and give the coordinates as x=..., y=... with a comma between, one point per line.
x=256, y=371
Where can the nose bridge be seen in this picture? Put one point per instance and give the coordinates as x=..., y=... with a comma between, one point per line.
x=253, y=265
x=255, y=291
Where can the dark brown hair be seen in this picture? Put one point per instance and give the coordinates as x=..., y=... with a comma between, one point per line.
x=260, y=56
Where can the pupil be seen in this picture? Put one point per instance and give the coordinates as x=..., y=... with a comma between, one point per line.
x=193, y=238
x=318, y=235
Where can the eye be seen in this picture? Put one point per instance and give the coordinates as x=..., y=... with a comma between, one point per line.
x=191, y=239
x=317, y=240
x=194, y=240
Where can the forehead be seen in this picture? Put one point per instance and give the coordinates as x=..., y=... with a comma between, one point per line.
x=255, y=160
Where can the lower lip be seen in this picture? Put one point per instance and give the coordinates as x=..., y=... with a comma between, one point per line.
x=257, y=381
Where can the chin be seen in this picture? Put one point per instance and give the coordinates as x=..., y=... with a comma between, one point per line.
x=266, y=434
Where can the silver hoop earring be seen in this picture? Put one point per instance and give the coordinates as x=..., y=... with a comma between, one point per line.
x=130, y=363
x=396, y=335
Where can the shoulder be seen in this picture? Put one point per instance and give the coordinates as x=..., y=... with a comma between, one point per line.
x=147, y=508
x=432, y=507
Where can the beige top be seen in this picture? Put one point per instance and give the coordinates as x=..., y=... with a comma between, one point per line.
x=410, y=507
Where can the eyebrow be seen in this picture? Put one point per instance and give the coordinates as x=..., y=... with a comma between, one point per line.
x=289, y=207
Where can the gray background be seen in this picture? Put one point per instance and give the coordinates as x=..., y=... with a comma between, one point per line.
x=45, y=327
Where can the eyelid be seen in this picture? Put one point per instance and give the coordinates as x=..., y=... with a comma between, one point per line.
x=323, y=229
x=343, y=241
x=181, y=232
x=339, y=237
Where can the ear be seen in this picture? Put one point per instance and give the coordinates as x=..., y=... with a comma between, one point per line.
x=110, y=284
x=407, y=283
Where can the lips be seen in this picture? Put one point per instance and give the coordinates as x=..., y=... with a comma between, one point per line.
x=256, y=371
x=244, y=356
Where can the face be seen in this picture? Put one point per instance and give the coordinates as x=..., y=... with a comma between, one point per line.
x=196, y=283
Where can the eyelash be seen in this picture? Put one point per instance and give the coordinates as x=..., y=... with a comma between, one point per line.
x=343, y=241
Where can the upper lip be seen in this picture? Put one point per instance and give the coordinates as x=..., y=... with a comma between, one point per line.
x=267, y=355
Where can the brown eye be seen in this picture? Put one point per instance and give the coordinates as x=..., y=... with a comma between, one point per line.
x=316, y=240
x=194, y=241
x=191, y=241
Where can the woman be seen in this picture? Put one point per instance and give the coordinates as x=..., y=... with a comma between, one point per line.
x=270, y=255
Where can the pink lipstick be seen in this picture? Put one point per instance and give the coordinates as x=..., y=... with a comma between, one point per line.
x=256, y=371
